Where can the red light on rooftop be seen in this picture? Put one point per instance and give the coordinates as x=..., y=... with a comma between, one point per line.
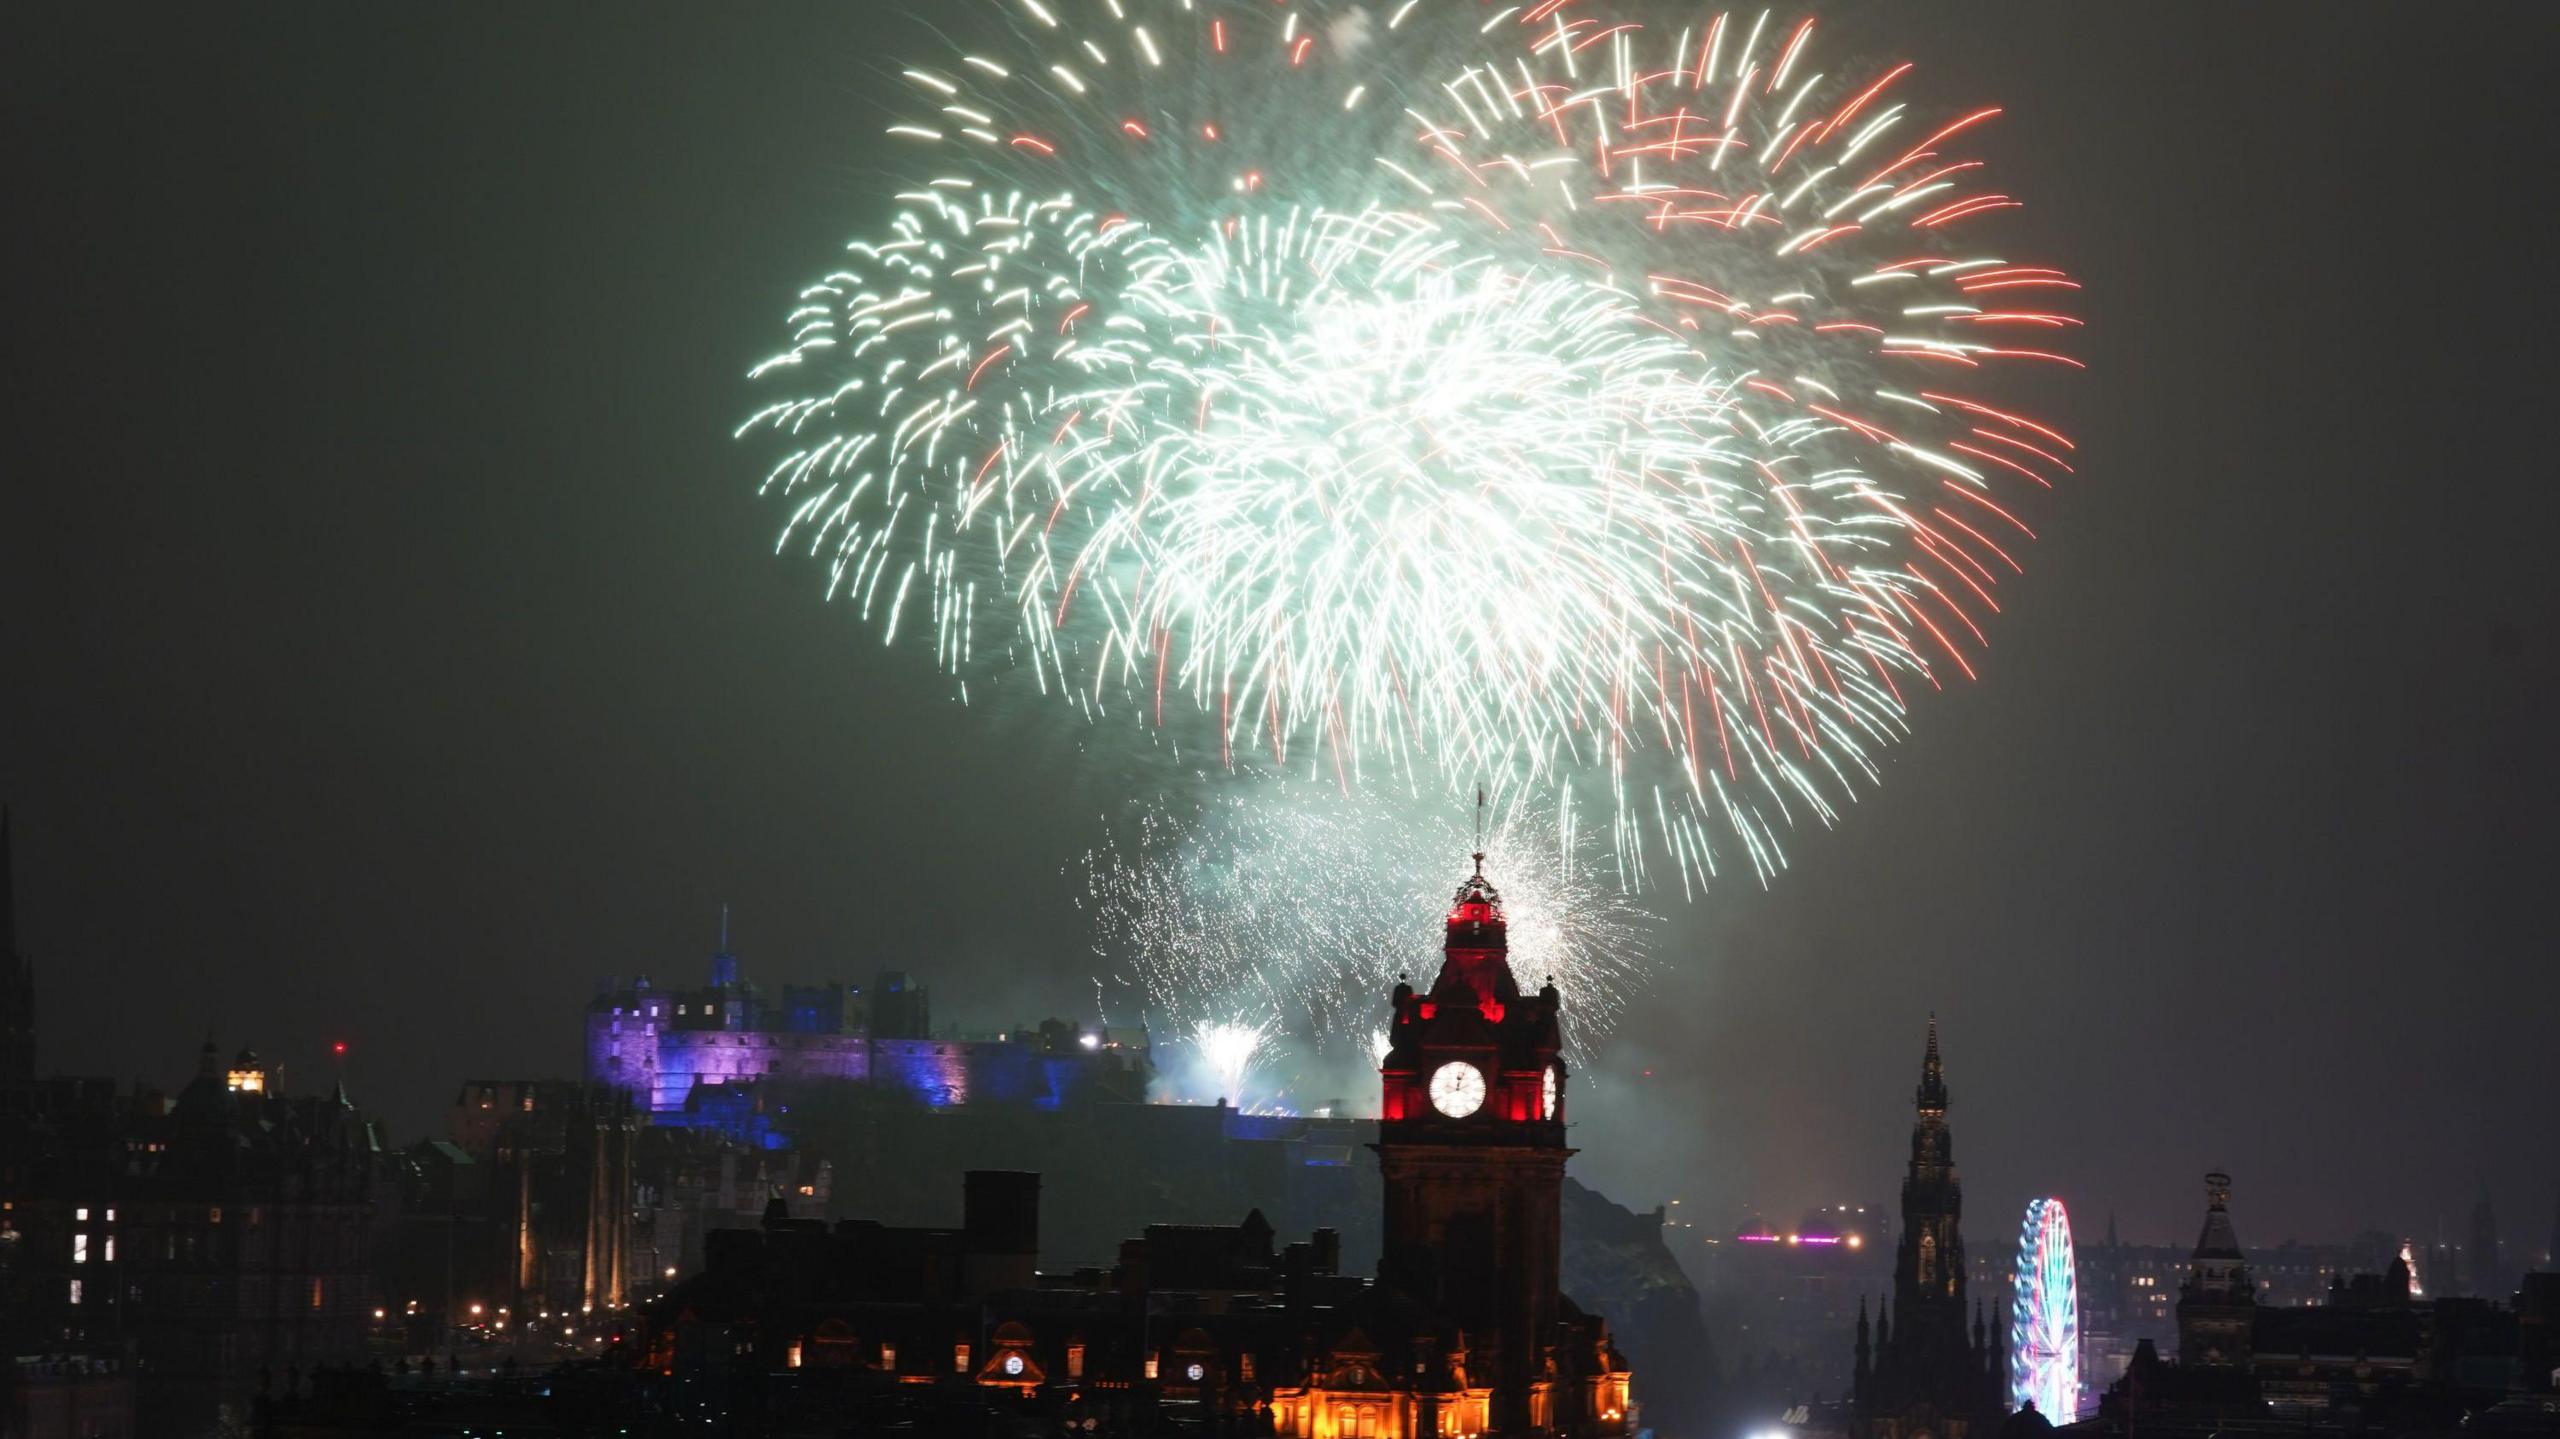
x=338, y=1048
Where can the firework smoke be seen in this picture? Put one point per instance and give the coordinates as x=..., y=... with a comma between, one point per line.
x=1305, y=907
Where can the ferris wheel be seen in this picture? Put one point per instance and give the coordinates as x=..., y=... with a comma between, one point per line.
x=2044, y=1316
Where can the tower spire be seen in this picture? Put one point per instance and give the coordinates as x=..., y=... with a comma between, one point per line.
x=1932, y=1095
x=724, y=965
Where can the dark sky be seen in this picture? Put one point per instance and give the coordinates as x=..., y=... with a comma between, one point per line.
x=390, y=640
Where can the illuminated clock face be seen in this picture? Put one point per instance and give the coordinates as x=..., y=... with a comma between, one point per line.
x=1457, y=1089
x=1195, y=1372
x=1013, y=1364
x=1549, y=1085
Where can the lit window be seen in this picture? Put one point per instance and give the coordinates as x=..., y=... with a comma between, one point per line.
x=111, y=1216
x=79, y=1248
x=1151, y=1366
x=315, y=1292
x=959, y=1358
x=888, y=1355
x=791, y=1360
x=75, y=1291
x=111, y=1249
x=684, y=1009
x=80, y=1214
x=1075, y=1361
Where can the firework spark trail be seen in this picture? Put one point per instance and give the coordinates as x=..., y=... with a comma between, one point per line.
x=1229, y=1050
x=1305, y=906
x=1422, y=396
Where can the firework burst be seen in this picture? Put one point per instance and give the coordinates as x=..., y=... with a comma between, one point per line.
x=1424, y=395
x=1230, y=1050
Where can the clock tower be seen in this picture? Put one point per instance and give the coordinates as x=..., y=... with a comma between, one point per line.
x=1471, y=1143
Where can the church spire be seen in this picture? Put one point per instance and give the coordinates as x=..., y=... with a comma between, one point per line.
x=1931, y=1097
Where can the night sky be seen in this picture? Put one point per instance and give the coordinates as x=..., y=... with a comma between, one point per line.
x=391, y=640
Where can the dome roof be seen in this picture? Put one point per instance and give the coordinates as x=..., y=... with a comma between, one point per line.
x=2025, y=1424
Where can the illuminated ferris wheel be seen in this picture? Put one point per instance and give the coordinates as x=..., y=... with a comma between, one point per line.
x=2044, y=1316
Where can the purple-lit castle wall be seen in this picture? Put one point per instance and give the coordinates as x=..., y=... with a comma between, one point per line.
x=690, y=1056
x=657, y=1044
x=622, y=1040
x=952, y=1071
x=684, y=1055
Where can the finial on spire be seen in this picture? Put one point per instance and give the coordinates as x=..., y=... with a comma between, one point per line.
x=1479, y=864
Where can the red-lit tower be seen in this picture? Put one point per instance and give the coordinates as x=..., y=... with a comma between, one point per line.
x=1471, y=1142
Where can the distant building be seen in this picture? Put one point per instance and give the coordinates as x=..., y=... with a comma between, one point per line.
x=527, y=1203
x=1784, y=1293
x=1926, y=1376
x=1208, y=1328
x=2482, y=1269
x=2373, y=1358
x=715, y=1056
x=221, y=1239
x=2125, y=1295
x=550, y=1199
